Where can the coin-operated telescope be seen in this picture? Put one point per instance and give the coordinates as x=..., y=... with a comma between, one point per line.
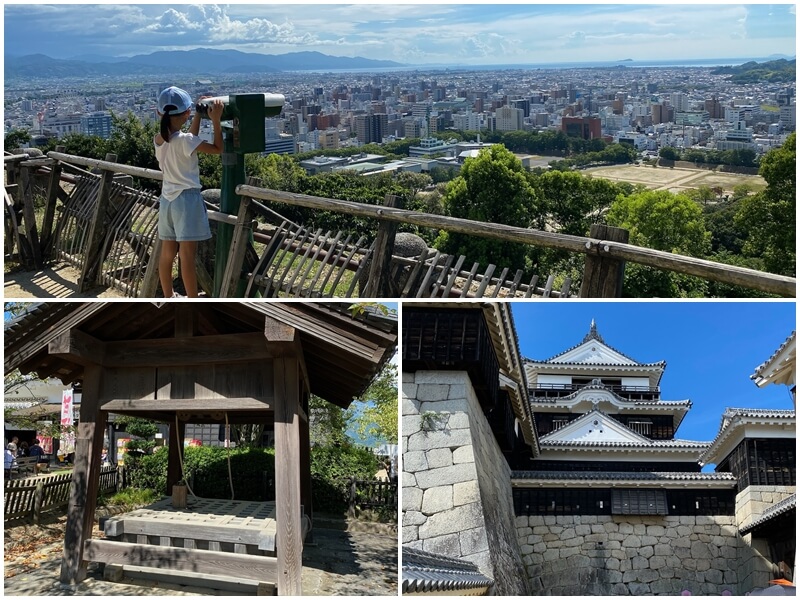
x=245, y=114
x=243, y=132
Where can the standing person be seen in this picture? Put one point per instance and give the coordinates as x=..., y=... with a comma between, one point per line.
x=182, y=216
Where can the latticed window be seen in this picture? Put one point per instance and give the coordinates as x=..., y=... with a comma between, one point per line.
x=638, y=502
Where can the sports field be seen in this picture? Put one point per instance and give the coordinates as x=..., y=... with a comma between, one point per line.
x=676, y=179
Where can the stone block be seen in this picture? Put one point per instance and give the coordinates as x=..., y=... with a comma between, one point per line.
x=427, y=440
x=432, y=392
x=626, y=528
x=408, y=377
x=639, y=589
x=539, y=547
x=441, y=377
x=656, y=530
x=550, y=555
x=473, y=541
x=464, y=454
x=578, y=561
x=646, y=551
x=457, y=390
x=459, y=420
x=568, y=534
x=583, y=529
x=729, y=553
x=701, y=550
x=534, y=539
x=446, y=545
x=412, y=517
x=649, y=540
x=620, y=589
x=459, y=518
x=445, y=476
x=409, y=406
x=412, y=499
x=573, y=542
x=414, y=461
x=567, y=552
x=445, y=408
x=639, y=529
x=409, y=480
x=437, y=499
x=596, y=537
x=410, y=425
x=610, y=527
x=466, y=492
x=661, y=586
x=684, y=531
x=410, y=534
x=714, y=576
x=662, y=550
x=439, y=457
x=632, y=541
x=639, y=562
x=657, y=562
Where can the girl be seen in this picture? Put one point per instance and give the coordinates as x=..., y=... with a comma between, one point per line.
x=182, y=217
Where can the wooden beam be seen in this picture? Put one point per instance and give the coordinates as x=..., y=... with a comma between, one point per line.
x=287, y=477
x=78, y=347
x=184, y=320
x=206, y=405
x=198, y=350
x=278, y=331
x=259, y=568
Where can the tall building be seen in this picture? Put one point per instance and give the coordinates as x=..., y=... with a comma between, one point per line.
x=371, y=128
x=96, y=123
x=509, y=119
x=588, y=128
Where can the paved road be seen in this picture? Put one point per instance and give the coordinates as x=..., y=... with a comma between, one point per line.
x=336, y=563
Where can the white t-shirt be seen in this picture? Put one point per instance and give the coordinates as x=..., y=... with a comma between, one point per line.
x=178, y=162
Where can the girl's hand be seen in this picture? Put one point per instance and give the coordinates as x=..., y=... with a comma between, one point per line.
x=215, y=111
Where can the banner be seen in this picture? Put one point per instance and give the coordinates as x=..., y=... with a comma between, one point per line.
x=67, y=445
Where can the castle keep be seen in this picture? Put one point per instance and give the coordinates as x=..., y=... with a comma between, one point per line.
x=567, y=476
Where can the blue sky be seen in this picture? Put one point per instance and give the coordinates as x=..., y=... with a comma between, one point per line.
x=711, y=348
x=411, y=33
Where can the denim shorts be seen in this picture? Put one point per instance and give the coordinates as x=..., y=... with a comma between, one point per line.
x=183, y=219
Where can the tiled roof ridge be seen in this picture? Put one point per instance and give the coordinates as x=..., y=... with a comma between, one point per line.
x=763, y=365
x=639, y=475
x=593, y=335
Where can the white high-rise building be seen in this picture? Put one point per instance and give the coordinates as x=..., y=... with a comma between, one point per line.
x=509, y=119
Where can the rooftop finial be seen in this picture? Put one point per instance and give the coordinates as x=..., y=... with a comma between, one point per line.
x=593, y=335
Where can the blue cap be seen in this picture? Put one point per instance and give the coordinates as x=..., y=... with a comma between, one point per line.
x=174, y=97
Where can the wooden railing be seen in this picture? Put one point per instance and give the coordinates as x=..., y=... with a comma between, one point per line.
x=606, y=249
x=33, y=496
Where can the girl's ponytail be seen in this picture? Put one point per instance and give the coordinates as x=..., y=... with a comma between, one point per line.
x=165, y=123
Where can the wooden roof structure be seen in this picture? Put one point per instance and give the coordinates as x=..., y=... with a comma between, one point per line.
x=342, y=352
x=200, y=362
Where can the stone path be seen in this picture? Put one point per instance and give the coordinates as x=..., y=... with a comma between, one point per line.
x=336, y=563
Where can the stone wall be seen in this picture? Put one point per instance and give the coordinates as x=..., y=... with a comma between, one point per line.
x=614, y=555
x=456, y=483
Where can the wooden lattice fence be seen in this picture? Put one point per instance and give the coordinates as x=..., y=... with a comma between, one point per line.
x=372, y=493
x=33, y=496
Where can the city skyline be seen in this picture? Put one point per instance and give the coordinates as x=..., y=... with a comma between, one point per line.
x=412, y=34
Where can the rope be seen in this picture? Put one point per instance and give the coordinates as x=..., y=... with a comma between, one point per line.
x=228, y=446
x=180, y=458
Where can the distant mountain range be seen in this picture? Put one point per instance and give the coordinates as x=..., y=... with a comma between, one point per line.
x=195, y=62
x=774, y=71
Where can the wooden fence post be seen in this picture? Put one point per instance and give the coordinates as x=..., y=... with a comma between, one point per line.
x=94, y=243
x=50, y=207
x=29, y=216
x=242, y=233
x=351, y=509
x=603, y=275
x=378, y=279
x=38, y=501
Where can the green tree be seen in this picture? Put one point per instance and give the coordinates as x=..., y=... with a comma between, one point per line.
x=16, y=138
x=492, y=188
x=662, y=221
x=669, y=153
x=769, y=218
x=378, y=418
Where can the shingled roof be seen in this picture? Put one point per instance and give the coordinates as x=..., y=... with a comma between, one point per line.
x=428, y=573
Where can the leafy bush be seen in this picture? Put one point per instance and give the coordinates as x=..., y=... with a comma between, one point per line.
x=331, y=469
x=131, y=497
x=207, y=467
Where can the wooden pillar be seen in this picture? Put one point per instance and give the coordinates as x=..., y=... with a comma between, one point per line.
x=603, y=275
x=85, y=478
x=287, y=476
x=174, y=471
x=29, y=216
